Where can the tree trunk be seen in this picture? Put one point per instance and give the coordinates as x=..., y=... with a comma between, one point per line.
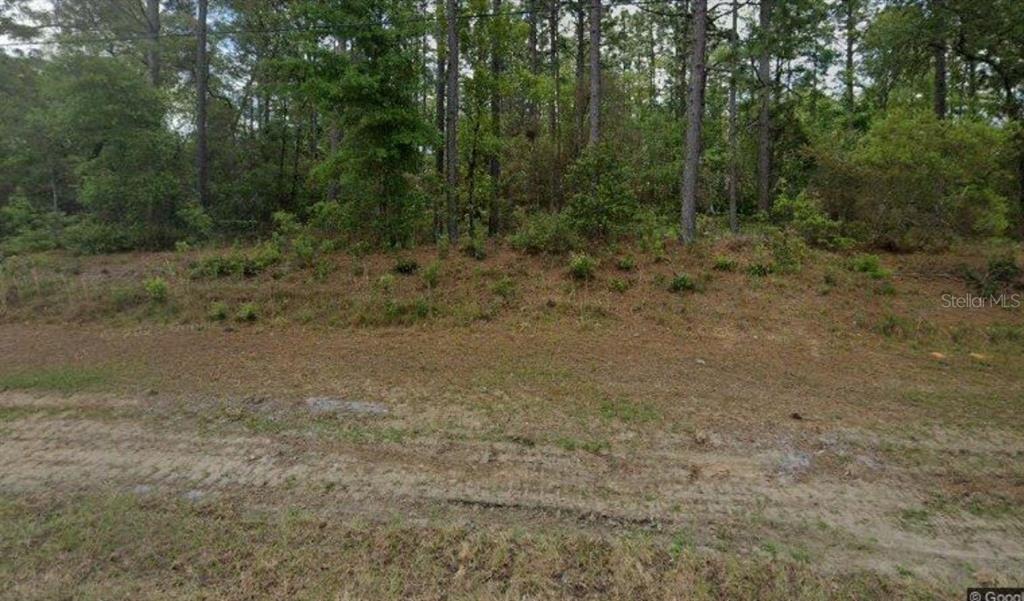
x=440, y=88
x=202, y=74
x=452, y=123
x=849, y=75
x=682, y=37
x=153, y=33
x=494, y=167
x=941, y=79
x=595, y=72
x=553, y=34
x=695, y=122
x=581, y=61
x=734, y=163
x=764, y=144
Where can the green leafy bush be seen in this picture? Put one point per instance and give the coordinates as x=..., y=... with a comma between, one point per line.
x=804, y=214
x=432, y=275
x=602, y=206
x=582, y=267
x=406, y=266
x=627, y=263
x=248, y=312
x=725, y=264
x=157, y=289
x=870, y=265
x=682, y=283
x=916, y=182
x=218, y=311
x=1000, y=275
x=619, y=285
x=542, y=232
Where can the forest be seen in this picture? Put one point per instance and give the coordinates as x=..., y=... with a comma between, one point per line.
x=553, y=124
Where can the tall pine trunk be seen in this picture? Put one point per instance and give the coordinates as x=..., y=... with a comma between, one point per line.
x=764, y=142
x=595, y=73
x=452, y=123
x=494, y=166
x=553, y=111
x=153, y=33
x=734, y=162
x=202, y=75
x=695, y=123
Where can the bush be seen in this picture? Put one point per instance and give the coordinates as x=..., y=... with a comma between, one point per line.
x=789, y=251
x=619, y=285
x=916, y=182
x=759, y=270
x=582, y=267
x=90, y=237
x=406, y=266
x=871, y=265
x=603, y=206
x=549, y=233
x=237, y=263
x=682, y=283
x=218, y=311
x=804, y=214
x=1001, y=274
x=626, y=263
x=476, y=245
x=247, y=313
x=432, y=275
x=156, y=288
x=725, y=264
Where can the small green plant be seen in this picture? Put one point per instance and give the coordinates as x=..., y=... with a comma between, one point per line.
x=582, y=267
x=619, y=285
x=542, y=232
x=893, y=326
x=682, y=283
x=432, y=275
x=870, y=265
x=182, y=246
x=406, y=266
x=759, y=270
x=157, y=289
x=505, y=288
x=789, y=251
x=725, y=264
x=218, y=311
x=476, y=245
x=627, y=263
x=247, y=313
x=1001, y=274
x=386, y=283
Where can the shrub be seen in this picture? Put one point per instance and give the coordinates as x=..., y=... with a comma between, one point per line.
x=90, y=237
x=916, y=182
x=871, y=265
x=804, y=214
x=505, y=288
x=476, y=244
x=620, y=285
x=247, y=313
x=627, y=263
x=432, y=275
x=682, y=283
x=156, y=288
x=725, y=264
x=759, y=270
x=542, y=232
x=1001, y=274
x=406, y=266
x=789, y=251
x=603, y=205
x=218, y=311
x=582, y=267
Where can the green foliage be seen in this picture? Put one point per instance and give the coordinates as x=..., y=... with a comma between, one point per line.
x=789, y=251
x=682, y=283
x=805, y=215
x=1001, y=274
x=218, y=311
x=432, y=275
x=725, y=264
x=620, y=285
x=157, y=289
x=870, y=265
x=237, y=263
x=582, y=267
x=248, y=312
x=542, y=232
x=505, y=288
x=476, y=244
x=627, y=263
x=603, y=207
x=759, y=270
x=23, y=229
x=916, y=182
x=406, y=266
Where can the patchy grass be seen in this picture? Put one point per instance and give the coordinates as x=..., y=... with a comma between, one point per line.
x=64, y=379
x=120, y=547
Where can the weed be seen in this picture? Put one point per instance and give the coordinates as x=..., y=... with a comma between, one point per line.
x=759, y=270
x=247, y=313
x=725, y=264
x=582, y=267
x=505, y=288
x=893, y=326
x=682, y=283
x=590, y=446
x=627, y=263
x=386, y=283
x=157, y=289
x=620, y=285
x=406, y=266
x=218, y=311
x=627, y=411
x=870, y=265
x=432, y=275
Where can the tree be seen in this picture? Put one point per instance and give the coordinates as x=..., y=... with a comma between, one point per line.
x=764, y=82
x=595, y=73
x=452, y=122
x=733, y=184
x=202, y=92
x=695, y=122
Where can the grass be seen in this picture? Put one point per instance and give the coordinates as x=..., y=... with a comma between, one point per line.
x=63, y=379
x=123, y=546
